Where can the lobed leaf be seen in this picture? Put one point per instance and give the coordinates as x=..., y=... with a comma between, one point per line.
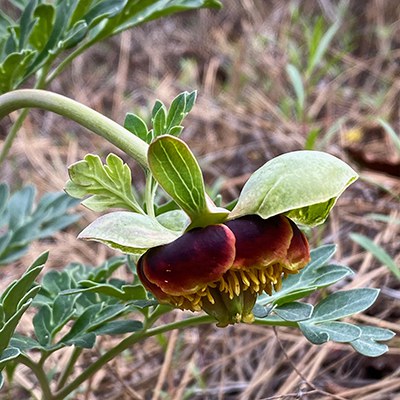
x=367, y=344
x=24, y=223
x=340, y=332
x=304, y=185
x=108, y=185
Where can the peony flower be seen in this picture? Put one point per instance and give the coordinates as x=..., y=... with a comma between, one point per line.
x=222, y=268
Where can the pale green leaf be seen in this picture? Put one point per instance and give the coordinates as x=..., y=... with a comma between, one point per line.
x=176, y=220
x=129, y=232
x=344, y=303
x=304, y=185
x=109, y=185
x=295, y=311
x=367, y=344
x=175, y=168
x=341, y=332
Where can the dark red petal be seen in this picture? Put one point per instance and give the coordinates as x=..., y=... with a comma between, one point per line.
x=199, y=257
x=299, y=250
x=261, y=242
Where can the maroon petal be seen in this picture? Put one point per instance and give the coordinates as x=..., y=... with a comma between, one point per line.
x=298, y=253
x=261, y=242
x=197, y=258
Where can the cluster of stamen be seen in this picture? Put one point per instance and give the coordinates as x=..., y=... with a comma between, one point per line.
x=234, y=282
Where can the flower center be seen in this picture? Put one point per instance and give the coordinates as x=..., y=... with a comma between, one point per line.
x=233, y=283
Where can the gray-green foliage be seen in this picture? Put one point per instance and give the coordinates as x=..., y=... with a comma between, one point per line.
x=62, y=300
x=14, y=301
x=45, y=30
x=21, y=221
x=320, y=323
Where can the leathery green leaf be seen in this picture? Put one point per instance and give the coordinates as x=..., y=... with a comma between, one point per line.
x=176, y=170
x=129, y=232
x=304, y=185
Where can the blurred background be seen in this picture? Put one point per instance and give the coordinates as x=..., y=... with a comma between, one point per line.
x=272, y=77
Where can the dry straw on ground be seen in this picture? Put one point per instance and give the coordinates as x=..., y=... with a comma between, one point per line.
x=236, y=58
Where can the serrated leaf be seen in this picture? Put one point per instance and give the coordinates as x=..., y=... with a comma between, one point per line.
x=119, y=327
x=367, y=344
x=136, y=125
x=25, y=223
x=340, y=332
x=295, y=311
x=178, y=173
x=304, y=185
x=107, y=185
x=128, y=232
x=344, y=303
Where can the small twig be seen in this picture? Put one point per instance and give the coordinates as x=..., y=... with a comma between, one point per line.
x=300, y=374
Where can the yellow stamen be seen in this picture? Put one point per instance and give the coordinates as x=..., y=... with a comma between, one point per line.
x=233, y=282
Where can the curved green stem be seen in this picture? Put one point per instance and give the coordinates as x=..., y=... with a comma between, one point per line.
x=126, y=343
x=274, y=322
x=40, y=375
x=69, y=368
x=85, y=116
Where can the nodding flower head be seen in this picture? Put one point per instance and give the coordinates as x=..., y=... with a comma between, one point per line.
x=222, y=268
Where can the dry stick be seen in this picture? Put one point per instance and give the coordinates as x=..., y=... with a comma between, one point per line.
x=266, y=375
x=167, y=363
x=300, y=374
x=187, y=376
x=392, y=384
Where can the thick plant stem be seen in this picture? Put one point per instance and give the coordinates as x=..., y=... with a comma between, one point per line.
x=83, y=115
x=126, y=343
x=40, y=375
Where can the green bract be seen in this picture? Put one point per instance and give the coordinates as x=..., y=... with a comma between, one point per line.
x=302, y=184
x=175, y=168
